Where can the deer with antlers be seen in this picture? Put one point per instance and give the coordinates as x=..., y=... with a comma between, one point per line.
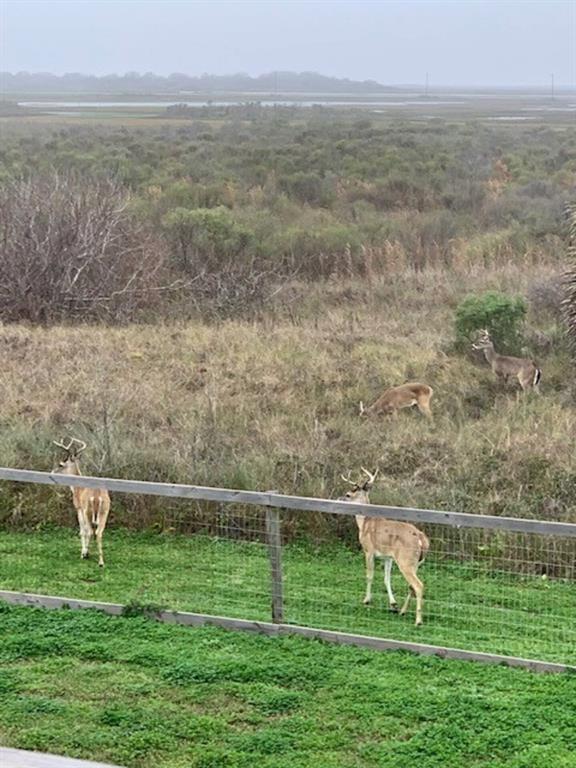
x=404, y=396
x=504, y=367
x=391, y=540
x=92, y=504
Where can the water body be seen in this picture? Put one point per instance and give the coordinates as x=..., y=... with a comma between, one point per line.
x=569, y=108
x=511, y=117
x=239, y=102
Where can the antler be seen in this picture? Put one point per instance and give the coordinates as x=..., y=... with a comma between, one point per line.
x=61, y=445
x=81, y=443
x=347, y=480
x=69, y=449
x=371, y=477
x=362, y=409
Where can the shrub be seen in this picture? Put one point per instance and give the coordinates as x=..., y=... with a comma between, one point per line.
x=500, y=314
x=205, y=238
x=71, y=250
x=545, y=296
x=308, y=188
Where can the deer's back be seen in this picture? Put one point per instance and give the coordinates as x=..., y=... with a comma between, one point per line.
x=390, y=537
x=401, y=395
x=508, y=362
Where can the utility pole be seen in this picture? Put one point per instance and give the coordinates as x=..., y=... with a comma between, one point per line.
x=426, y=86
x=552, y=95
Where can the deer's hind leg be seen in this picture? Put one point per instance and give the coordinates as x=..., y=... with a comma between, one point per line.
x=388, y=584
x=424, y=407
x=101, y=517
x=85, y=532
x=529, y=382
x=416, y=588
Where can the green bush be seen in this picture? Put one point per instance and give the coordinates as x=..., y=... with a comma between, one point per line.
x=500, y=314
x=205, y=237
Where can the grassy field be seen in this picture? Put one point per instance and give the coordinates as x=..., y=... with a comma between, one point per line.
x=470, y=604
x=374, y=229
x=146, y=695
x=274, y=404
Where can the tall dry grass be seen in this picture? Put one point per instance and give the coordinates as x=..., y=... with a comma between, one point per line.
x=274, y=404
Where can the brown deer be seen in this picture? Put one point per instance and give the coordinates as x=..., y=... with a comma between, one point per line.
x=92, y=504
x=404, y=396
x=391, y=540
x=504, y=367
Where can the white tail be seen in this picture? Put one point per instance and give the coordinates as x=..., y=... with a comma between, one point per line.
x=391, y=540
x=505, y=367
x=404, y=396
x=92, y=504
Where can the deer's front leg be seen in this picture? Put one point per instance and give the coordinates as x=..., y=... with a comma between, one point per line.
x=369, y=577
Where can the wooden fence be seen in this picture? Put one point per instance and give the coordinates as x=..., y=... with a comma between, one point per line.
x=273, y=502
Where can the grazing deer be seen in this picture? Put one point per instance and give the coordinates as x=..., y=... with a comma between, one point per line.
x=505, y=367
x=404, y=396
x=391, y=540
x=92, y=504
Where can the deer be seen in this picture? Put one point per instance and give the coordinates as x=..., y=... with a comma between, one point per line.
x=392, y=540
x=404, y=396
x=504, y=367
x=92, y=504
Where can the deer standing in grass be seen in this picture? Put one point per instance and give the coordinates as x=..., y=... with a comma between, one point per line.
x=404, y=396
x=504, y=367
x=392, y=540
x=92, y=504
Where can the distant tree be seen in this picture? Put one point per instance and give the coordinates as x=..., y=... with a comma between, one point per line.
x=302, y=82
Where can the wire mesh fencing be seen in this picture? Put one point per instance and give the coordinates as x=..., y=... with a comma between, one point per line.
x=500, y=592
x=489, y=586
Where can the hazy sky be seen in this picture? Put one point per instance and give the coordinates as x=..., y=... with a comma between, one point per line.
x=476, y=42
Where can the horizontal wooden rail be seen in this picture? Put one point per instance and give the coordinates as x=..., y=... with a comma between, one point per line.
x=303, y=503
x=268, y=628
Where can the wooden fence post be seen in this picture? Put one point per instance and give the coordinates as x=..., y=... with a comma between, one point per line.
x=274, y=542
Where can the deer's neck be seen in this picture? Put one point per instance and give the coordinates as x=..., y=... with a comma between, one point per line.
x=490, y=353
x=74, y=471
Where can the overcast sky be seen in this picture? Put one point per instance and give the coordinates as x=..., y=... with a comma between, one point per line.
x=474, y=42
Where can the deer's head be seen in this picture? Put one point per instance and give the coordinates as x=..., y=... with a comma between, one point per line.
x=359, y=492
x=483, y=340
x=68, y=465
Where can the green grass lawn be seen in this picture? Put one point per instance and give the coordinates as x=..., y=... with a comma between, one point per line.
x=467, y=605
x=148, y=695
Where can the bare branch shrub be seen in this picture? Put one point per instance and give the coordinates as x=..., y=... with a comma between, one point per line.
x=70, y=250
x=233, y=291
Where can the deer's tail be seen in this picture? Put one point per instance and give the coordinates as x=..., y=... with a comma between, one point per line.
x=537, y=377
x=424, y=546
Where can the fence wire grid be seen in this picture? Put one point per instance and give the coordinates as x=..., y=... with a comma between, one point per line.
x=485, y=590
